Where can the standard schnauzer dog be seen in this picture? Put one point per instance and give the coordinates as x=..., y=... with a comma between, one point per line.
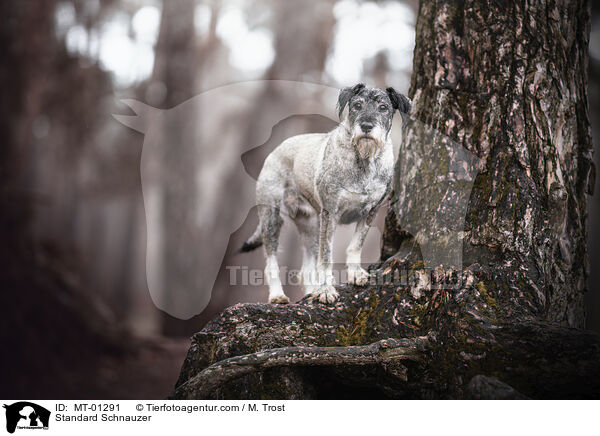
x=323, y=179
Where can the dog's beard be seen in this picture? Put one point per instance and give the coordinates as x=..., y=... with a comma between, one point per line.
x=366, y=146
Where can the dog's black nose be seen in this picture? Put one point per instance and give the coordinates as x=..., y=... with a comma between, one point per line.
x=366, y=126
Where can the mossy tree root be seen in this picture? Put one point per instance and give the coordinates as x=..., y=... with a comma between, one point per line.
x=386, y=353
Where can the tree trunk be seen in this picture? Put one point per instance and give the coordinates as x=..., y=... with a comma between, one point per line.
x=485, y=240
x=509, y=84
x=175, y=68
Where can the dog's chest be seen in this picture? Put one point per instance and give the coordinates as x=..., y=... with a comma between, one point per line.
x=361, y=193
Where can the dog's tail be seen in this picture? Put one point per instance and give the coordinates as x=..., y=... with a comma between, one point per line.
x=253, y=241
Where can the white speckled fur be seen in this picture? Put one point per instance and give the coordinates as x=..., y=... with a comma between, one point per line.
x=320, y=180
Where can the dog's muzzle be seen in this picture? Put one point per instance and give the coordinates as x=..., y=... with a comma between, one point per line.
x=366, y=145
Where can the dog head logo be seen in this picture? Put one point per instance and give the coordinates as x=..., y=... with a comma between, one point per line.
x=26, y=415
x=212, y=131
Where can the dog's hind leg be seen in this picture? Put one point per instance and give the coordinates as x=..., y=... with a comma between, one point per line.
x=271, y=222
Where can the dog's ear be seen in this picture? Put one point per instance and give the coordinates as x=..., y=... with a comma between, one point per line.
x=398, y=100
x=346, y=94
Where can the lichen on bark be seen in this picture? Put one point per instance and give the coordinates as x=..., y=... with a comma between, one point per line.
x=510, y=86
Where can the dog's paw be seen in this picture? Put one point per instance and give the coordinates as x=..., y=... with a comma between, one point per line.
x=279, y=299
x=325, y=294
x=310, y=289
x=358, y=276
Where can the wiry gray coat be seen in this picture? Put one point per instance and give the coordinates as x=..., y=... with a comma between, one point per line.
x=323, y=179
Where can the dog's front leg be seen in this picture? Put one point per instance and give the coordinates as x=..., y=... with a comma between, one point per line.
x=325, y=291
x=356, y=274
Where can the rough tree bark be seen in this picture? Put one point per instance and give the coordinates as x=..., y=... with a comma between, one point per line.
x=508, y=83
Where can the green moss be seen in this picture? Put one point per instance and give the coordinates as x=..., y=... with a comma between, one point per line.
x=489, y=300
x=357, y=331
x=483, y=185
x=419, y=314
x=443, y=161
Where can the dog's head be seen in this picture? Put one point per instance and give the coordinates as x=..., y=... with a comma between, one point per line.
x=369, y=117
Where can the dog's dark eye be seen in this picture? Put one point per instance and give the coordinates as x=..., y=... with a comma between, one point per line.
x=383, y=107
x=357, y=106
